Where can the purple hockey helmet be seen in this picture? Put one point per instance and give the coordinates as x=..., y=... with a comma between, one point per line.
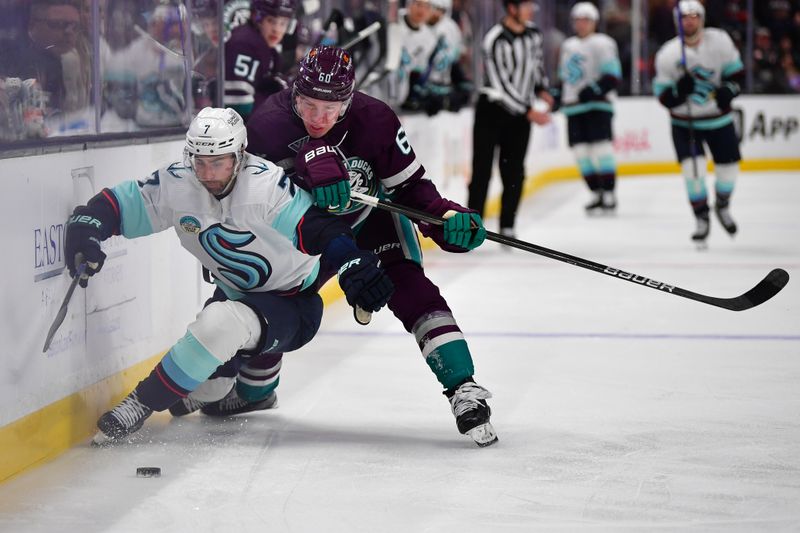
x=326, y=73
x=272, y=8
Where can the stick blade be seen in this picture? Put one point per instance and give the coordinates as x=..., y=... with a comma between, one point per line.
x=768, y=287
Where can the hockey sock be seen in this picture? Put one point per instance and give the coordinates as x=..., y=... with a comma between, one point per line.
x=696, y=185
x=586, y=166
x=726, y=181
x=602, y=155
x=259, y=376
x=444, y=348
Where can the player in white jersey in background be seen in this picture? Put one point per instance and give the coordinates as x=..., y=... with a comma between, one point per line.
x=260, y=238
x=589, y=71
x=447, y=86
x=417, y=42
x=699, y=101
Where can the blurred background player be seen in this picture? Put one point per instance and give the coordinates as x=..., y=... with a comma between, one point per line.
x=447, y=87
x=589, y=72
x=514, y=77
x=699, y=101
x=330, y=139
x=235, y=214
x=417, y=43
x=253, y=56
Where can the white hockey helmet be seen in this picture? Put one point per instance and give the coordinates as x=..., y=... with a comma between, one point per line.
x=692, y=7
x=216, y=131
x=584, y=10
x=443, y=5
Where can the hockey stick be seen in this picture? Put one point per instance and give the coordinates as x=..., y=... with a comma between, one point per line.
x=763, y=291
x=62, y=311
x=363, y=34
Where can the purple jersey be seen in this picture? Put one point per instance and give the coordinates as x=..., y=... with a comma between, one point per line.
x=376, y=150
x=251, y=70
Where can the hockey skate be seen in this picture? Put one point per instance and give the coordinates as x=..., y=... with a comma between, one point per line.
x=701, y=231
x=185, y=406
x=468, y=403
x=595, y=204
x=609, y=202
x=724, y=217
x=232, y=404
x=126, y=418
x=602, y=202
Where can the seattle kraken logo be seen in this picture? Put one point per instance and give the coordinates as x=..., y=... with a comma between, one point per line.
x=573, y=70
x=245, y=270
x=702, y=84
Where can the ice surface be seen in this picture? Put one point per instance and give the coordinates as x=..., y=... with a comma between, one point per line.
x=617, y=407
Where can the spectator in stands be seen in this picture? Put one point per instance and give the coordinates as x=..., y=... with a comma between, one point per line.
x=37, y=53
x=766, y=63
x=790, y=71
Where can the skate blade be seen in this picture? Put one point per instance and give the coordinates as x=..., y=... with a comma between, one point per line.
x=483, y=435
x=701, y=245
x=101, y=439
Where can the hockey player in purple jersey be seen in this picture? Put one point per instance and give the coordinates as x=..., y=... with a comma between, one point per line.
x=252, y=59
x=330, y=138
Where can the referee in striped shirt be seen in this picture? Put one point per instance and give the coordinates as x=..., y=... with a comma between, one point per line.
x=513, y=78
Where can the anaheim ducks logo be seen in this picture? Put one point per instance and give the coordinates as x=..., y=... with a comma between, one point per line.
x=362, y=179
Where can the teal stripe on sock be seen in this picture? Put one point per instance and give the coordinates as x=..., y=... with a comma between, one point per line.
x=451, y=363
x=177, y=374
x=606, y=164
x=696, y=189
x=724, y=187
x=585, y=166
x=252, y=394
x=193, y=359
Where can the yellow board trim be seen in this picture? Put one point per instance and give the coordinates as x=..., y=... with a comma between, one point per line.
x=44, y=434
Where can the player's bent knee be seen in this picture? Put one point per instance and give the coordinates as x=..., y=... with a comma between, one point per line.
x=224, y=328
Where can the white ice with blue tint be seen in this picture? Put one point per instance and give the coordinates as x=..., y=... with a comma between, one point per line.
x=617, y=406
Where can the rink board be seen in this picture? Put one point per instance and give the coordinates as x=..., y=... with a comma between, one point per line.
x=150, y=289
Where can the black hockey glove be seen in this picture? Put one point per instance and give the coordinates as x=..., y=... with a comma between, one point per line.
x=590, y=93
x=84, y=233
x=555, y=92
x=725, y=96
x=364, y=282
x=685, y=86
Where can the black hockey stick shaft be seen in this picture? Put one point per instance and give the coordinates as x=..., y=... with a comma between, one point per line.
x=62, y=311
x=763, y=291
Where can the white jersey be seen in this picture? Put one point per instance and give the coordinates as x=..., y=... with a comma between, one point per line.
x=583, y=62
x=714, y=58
x=449, y=44
x=246, y=239
x=417, y=47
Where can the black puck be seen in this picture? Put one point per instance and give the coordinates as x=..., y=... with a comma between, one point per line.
x=148, y=471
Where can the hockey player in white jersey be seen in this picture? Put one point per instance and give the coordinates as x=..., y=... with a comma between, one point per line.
x=698, y=96
x=260, y=238
x=447, y=87
x=417, y=42
x=589, y=71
